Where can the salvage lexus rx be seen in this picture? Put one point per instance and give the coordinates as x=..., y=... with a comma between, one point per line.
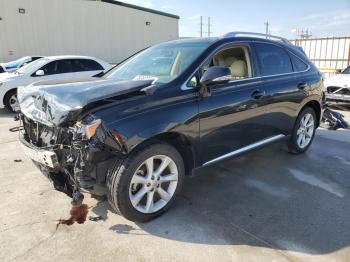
x=134, y=132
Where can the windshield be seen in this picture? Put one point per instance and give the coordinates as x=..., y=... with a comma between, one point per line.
x=346, y=71
x=33, y=66
x=18, y=62
x=163, y=62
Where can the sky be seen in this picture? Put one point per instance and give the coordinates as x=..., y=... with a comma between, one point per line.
x=321, y=17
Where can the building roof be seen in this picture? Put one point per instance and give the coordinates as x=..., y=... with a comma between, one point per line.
x=140, y=8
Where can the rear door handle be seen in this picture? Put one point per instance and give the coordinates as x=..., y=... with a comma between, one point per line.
x=257, y=94
x=302, y=85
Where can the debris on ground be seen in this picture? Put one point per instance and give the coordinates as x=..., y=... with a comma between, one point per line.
x=333, y=120
x=17, y=160
x=78, y=214
x=15, y=129
x=95, y=218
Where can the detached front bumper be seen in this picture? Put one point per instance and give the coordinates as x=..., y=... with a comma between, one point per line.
x=41, y=156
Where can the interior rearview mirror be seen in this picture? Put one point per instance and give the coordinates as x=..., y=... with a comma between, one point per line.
x=216, y=75
x=39, y=73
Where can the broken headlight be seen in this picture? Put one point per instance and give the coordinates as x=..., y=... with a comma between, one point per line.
x=87, y=131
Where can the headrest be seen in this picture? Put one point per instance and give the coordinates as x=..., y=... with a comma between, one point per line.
x=229, y=61
x=239, y=68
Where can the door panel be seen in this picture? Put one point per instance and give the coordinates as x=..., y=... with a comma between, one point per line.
x=231, y=118
x=284, y=88
x=283, y=97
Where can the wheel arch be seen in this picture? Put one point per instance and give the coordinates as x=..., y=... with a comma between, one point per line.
x=180, y=142
x=316, y=106
x=7, y=93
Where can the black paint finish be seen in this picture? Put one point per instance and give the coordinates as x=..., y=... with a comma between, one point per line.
x=228, y=116
x=233, y=115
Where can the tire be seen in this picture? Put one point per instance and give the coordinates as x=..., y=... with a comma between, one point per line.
x=8, y=100
x=123, y=182
x=295, y=145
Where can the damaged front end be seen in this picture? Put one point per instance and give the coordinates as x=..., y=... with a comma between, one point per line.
x=70, y=145
x=338, y=95
x=64, y=139
x=74, y=158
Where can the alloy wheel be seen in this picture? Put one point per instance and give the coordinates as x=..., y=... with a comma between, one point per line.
x=305, y=130
x=13, y=102
x=153, y=184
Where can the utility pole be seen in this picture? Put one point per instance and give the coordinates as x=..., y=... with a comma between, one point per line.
x=266, y=28
x=305, y=34
x=209, y=25
x=201, y=24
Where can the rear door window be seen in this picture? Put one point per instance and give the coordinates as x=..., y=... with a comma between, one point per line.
x=86, y=65
x=273, y=60
x=298, y=64
x=64, y=66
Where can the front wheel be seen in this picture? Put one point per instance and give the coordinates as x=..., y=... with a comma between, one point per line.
x=145, y=184
x=11, y=101
x=303, y=132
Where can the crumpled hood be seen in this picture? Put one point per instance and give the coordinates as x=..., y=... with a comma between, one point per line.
x=52, y=102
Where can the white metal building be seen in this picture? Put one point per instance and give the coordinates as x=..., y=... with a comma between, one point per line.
x=107, y=29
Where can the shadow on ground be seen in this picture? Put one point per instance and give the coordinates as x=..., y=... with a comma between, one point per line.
x=4, y=113
x=268, y=198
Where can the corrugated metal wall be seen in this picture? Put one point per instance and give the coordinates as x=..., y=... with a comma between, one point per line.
x=329, y=54
x=79, y=27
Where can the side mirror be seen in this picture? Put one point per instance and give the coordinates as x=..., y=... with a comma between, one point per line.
x=40, y=73
x=216, y=75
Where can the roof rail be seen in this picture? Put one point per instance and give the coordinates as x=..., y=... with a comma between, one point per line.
x=236, y=34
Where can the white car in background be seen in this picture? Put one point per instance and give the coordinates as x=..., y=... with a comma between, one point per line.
x=45, y=69
x=337, y=88
x=16, y=64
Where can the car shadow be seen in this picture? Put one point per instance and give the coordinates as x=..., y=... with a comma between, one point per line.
x=4, y=113
x=268, y=198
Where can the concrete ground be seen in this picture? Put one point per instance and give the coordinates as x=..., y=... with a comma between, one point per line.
x=265, y=206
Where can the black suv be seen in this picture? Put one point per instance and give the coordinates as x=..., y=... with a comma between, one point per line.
x=134, y=132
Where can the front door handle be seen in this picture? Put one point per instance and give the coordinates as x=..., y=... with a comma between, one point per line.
x=257, y=94
x=302, y=85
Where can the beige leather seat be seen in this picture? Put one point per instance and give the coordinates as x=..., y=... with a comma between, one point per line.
x=229, y=61
x=239, y=69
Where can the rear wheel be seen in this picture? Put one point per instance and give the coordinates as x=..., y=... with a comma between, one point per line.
x=303, y=132
x=11, y=100
x=145, y=184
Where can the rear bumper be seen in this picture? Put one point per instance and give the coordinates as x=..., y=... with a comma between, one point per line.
x=42, y=156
